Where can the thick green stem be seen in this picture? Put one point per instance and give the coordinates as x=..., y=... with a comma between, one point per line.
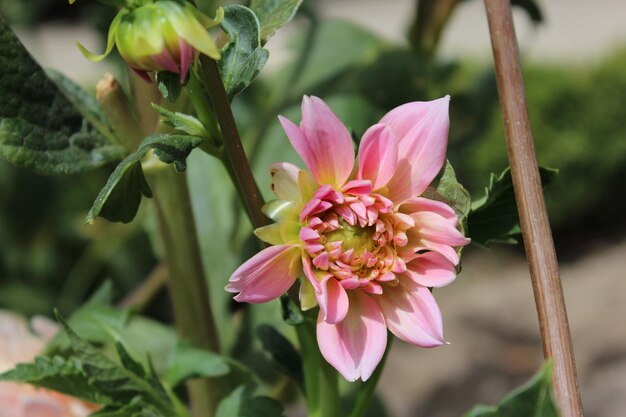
x=320, y=379
x=365, y=393
x=187, y=284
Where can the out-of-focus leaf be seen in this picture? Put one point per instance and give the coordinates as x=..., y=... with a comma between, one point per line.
x=282, y=352
x=535, y=399
x=242, y=403
x=188, y=362
x=243, y=57
x=273, y=14
x=337, y=47
x=40, y=128
x=494, y=218
x=532, y=9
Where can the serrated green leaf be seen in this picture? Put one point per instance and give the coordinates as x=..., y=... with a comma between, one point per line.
x=243, y=57
x=451, y=192
x=273, y=14
x=136, y=408
x=120, y=198
x=535, y=399
x=283, y=353
x=183, y=122
x=494, y=218
x=241, y=403
x=40, y=129
x=188, y=362
x=121, y=385
x=58, y=374
x=169, y=85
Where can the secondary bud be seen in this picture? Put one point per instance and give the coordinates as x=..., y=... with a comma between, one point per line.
x=162, y=35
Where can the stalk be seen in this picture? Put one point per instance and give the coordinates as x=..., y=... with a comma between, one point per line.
x=187, y=284
x=236, y=156
x=538, y=242
x=320, y=379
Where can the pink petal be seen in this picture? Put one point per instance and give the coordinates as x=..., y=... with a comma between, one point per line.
x=285, y=181
x=412, y=314
x=436, y=228
x=186, y=56
x=357, y=344
x=431, y=269
x=414, y=205
x=166, y=61
x=322, y=141
x=421, y=129
x=267, y=275
x=378, y=155
x=333, y=302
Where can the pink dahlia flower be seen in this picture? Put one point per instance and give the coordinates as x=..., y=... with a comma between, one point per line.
x=368, y=244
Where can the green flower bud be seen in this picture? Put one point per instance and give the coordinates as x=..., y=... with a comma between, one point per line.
x=160, y=35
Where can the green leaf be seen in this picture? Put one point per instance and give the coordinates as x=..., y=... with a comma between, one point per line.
x=532, y=9
x=282, y=352
x=243, y=57
x=451, y=192
x=168, y=84
x=188, y=362
x=291, y=312
x=273, y=14
x=84, y=102
x=40, y=128
x=58, y=374
x=183, y=122
x=241, y=403
x=120, y=198
x=535, y=399
x=337, y=47
x=493, y=218
x=121, y=385
x=136, y=408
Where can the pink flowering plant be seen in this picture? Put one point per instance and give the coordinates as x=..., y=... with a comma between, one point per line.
x=355, y=240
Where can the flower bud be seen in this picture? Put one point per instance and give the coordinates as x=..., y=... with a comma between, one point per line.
x=163, y=35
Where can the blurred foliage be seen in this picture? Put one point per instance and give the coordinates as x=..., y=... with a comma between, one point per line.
x=577, y=118
x=48, y=257
x=30, y=12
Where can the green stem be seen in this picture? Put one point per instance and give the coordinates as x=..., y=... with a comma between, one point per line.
x=187, y=284
x=320, y=379
x=236, y=155
x=203, y=108
x=366, y=390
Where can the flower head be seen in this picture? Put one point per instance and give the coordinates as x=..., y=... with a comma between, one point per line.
x=369, y=246
x=160, y=35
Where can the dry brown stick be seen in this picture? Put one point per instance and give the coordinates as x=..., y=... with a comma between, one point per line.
x=544, y=269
